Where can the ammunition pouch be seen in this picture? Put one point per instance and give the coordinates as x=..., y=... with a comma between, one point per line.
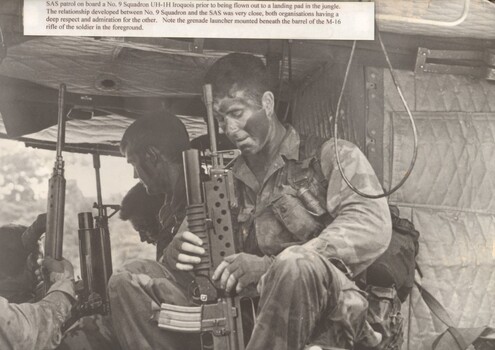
x=389, y=280
x=294, y=216
x=385, y=317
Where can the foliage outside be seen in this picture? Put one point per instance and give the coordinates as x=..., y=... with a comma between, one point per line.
x=24, y=175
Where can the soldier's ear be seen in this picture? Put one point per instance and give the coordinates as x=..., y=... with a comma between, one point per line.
x=268, y=103
x=152, y=154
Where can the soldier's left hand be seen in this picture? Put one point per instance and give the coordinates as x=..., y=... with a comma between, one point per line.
x=39, y=225
x=240, y=270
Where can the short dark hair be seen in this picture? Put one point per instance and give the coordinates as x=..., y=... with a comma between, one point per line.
x=164, y=131
x=138, y=203
x=240, y=72
x=13, y=255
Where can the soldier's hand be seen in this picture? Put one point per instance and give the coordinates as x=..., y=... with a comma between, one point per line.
x=184, y=251
x=33, y=233
x=39, y=225
x=240, y=270
x=57, y=270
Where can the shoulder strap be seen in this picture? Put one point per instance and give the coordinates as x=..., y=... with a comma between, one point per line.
x=453, y=338
x=435, y=306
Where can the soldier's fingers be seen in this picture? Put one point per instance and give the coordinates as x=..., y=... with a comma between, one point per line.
x=231, y=270
x=232, y=281
x=188, y=259
x=219, y=270
x=184, y=267
x=239, y=287
x=230, y=258
x=223, y=279
x=191, y=238
x=192, y=249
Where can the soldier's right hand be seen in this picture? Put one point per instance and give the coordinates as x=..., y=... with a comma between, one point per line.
x=183, y=252
x=57, y=270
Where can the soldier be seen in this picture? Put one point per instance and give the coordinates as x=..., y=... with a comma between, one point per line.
x=25, y=325
x=153, y=145
x=19, y=251
x=301, y=265
x=142, y=210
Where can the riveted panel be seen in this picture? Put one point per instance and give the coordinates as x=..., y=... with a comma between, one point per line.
x=375, y=116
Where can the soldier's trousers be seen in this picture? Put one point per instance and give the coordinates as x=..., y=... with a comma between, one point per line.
x=303, y=298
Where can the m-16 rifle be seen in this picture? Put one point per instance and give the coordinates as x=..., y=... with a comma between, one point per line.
x=209, y=216
x=95, y=256
x=94, y=238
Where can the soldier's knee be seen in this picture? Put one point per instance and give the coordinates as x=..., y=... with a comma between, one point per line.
x=133, y=266
x=118, y=281
x=296, y=262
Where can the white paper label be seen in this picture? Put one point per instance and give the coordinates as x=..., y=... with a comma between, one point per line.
x=202, y=19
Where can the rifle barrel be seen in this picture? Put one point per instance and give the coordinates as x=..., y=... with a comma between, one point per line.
x=208, y=97
x=99, y=199
x=192, y=172
x=56, y=190
x=61, y=120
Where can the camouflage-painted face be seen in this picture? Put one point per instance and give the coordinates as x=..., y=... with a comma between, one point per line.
x=244, y=121
x=148, y=230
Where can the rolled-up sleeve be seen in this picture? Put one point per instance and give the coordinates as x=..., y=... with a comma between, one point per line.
x=36, y=326
x=361, y=228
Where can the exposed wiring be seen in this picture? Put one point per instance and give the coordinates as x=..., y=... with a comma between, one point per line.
x=413, y=126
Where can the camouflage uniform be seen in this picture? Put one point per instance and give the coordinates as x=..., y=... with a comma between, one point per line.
x=36, y=326
x=137, y=289
x=96, y=332
x=303, y=295
x=170, y=216
x=90, y=333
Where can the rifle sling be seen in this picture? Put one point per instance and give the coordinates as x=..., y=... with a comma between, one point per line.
x=453, y=337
